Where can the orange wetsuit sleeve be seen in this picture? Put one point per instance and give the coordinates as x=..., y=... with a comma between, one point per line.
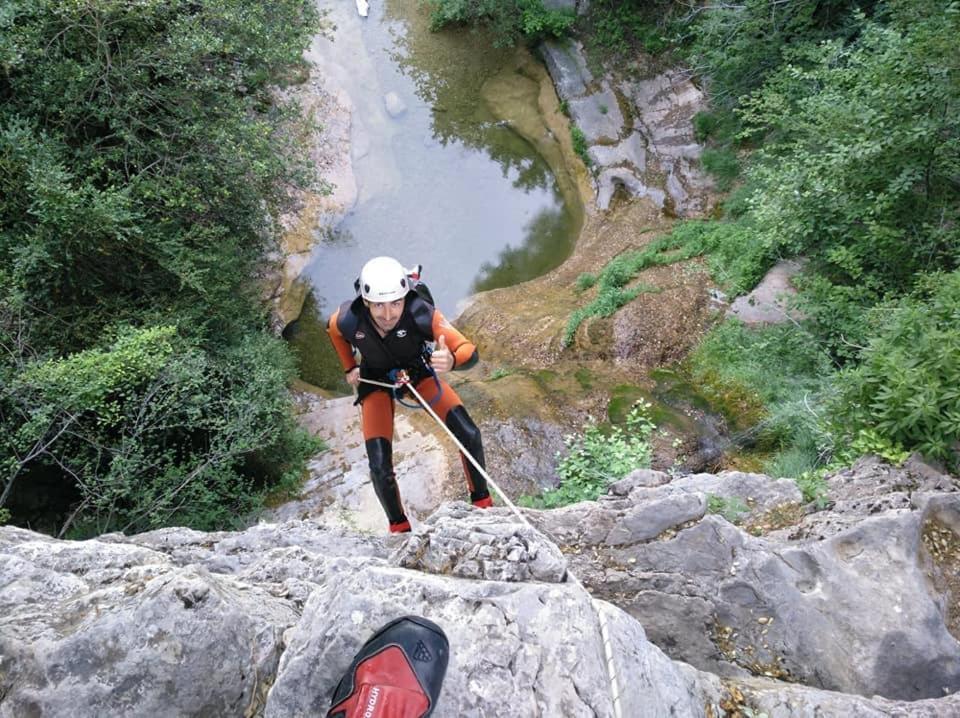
x=341, y=345
x=464, y=351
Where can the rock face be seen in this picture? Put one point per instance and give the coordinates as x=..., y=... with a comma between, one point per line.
x=265, y=621
x=338, y=489
x=845, y=600
x=639, y=133
x=768, y=303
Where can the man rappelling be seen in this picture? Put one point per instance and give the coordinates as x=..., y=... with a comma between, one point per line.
x=403, y=340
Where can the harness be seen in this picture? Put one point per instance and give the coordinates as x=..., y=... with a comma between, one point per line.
x=401, y=353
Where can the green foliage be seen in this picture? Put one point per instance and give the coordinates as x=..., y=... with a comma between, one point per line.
x=580, y=144
x=144, y=151
x=736, y=260
x=861, y=156
x=737, y=46
x=722, y=164
x=585, y=281
x=731, y=508
x=596, y=458
x=813, y=486
x=769, y=383
x=508, y=20
x=152, y=431
x=619, y=27
x=139, y=145
x=538, y=22
x=715, y=125
x=500, y=372
x=870, y=441
x=905, y=392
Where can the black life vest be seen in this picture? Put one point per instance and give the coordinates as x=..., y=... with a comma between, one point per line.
x=402, y=348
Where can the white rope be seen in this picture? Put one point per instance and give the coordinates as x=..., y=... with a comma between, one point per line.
x=604, y=632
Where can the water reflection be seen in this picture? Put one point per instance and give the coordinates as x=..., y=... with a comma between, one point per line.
x=517, y=264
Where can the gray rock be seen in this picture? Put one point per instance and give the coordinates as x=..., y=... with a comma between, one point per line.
x=646, y=521
x=656, y=687
x=598, y=116
x=659, y=157
x=167, y=642
x=140, y=635
x=609, y=180
x=521, y=453
x=768, y=302
x=854, y=612
x=232, y=552
x=758, y=493
x=639, y=477
x=516, y=649
x=493, y=545
x=567, y=67
x=129, y=626
x=869, y=488
x=630, y=153
x=782, y=700
x=394, y=105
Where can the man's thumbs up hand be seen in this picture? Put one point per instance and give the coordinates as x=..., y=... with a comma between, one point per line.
x=441, y=360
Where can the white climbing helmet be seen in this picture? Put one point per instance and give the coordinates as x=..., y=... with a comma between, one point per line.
x=383, y=279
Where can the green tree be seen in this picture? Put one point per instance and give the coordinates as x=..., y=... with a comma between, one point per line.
x=906, y=389
x=861, y=157
x=145, y=150
x=508, y=20
x=736, y=46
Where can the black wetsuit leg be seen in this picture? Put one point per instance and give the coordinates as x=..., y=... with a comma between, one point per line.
x=462, y=426
x=380, y=455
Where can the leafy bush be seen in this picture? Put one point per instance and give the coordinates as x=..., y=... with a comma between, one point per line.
x=813, y=486
x=722, y=164
x=151, y=431
x=585, y=281
x=580, y=144
x=859, y=166
x=596, y=458
x=737, y=46
x=508, y=20
x=620, y=26
x=906, y=389
x=144, y=152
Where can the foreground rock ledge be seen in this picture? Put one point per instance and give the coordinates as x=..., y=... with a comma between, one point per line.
x=264, y=621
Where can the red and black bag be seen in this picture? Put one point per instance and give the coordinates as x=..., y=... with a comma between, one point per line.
x=396, y=674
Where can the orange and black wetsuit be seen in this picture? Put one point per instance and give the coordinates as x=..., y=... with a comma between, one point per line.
x=405, y=347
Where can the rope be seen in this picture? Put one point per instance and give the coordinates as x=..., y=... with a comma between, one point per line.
x=604, y=632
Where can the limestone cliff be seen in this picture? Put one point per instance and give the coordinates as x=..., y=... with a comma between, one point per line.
x=777, y=614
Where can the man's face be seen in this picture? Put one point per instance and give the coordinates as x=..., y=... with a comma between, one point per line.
x=386, y=314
